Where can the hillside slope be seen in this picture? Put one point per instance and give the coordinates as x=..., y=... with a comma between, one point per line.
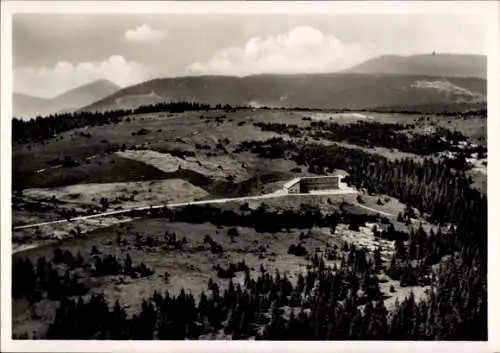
x=25, y=106
x=439, y=65
x=318, y=91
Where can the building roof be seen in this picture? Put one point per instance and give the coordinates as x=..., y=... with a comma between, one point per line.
x=291, y=183
x=321, y=177
x=294, y=181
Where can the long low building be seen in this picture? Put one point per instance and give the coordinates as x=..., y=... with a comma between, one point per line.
x=305, y=185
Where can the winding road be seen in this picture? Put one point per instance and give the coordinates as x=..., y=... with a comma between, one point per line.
x=276, y=194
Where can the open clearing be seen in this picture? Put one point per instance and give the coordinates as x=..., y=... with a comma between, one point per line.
x=190, y=267
x=131, y=194
x=163, y=132
x=217, y=167
x=340, y=116
x=153, y=159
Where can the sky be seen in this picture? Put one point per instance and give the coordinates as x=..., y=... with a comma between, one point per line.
x=53, y=53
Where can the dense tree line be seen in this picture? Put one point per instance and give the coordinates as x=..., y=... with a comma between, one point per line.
x=240, y=311
x=261, y=219
x=433, y=187
x=42, y=128
x=34, y=281
x=370, y=134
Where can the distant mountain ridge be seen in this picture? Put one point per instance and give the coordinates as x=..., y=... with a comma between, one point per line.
x=25, y=106
x=438, y=65
x=440, y=80
x=317, y=91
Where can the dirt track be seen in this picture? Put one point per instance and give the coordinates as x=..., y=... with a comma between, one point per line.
x=279, y=193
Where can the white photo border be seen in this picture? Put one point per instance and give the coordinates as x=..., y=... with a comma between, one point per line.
x=490, y=10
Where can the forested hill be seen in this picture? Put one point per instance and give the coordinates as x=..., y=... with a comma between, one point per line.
x=438, y=65
x=25, y=106
x=340, y=303
x=316, y=91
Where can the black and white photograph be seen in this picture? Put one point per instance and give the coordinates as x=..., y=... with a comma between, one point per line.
x=248, y=172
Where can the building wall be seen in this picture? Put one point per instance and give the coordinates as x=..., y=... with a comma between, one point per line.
x=306, y=185
x=295, y=188
x=322, y=183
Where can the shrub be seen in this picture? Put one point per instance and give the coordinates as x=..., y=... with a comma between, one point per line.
x=216, y=248
x=233, y=232
x=58, y=256
x=225, y=273
x=69, y=162
x=297, y=250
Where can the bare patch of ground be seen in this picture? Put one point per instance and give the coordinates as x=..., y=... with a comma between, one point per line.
x=189, y=268
x=400, y=293
x=351, y=117
x=85, y=198
x=214, y=166
x=127, y=195
x=96, y=169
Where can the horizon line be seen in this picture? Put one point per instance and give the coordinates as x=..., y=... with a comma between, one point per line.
x=342, y=71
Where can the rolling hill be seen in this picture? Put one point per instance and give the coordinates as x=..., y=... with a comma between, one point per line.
x=25, y=106
x=317, y=91
x=439, y=65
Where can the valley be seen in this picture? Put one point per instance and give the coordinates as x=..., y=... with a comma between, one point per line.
x=194, y=203
x=277, y=175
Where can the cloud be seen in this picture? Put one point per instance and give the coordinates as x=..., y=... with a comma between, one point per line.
x=49, y=82
x=145, y=33
x=303, y=49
